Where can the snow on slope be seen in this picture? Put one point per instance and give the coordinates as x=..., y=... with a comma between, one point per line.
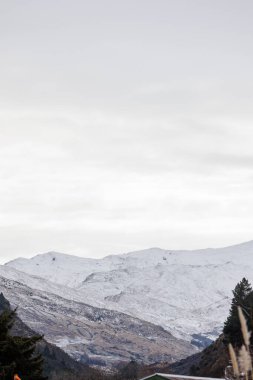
x=92, y=335
x=186, y=292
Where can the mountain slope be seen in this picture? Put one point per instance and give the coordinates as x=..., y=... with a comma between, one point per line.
x=186, y=292
x=211, y=362
x=55, y=359
x=94, y=336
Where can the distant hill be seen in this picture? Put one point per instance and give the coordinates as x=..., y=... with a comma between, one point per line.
x=208, y=363
x=211, y=362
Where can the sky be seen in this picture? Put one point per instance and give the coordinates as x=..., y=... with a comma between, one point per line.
x=125, y=125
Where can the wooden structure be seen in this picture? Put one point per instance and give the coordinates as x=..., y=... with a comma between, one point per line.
x=166, y=376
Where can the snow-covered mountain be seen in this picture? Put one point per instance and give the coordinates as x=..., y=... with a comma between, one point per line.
x=186, y=292
x=92, y=335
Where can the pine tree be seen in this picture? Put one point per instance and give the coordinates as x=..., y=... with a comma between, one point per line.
x=7, y=365
x=18, y=354
x=243, y=297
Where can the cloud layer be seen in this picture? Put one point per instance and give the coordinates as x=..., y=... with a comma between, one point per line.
x=125, y=126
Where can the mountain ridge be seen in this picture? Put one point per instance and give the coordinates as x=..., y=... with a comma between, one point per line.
x=201, y=250
x=182, y=291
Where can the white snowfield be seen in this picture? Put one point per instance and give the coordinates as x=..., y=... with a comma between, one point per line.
x=186, y=292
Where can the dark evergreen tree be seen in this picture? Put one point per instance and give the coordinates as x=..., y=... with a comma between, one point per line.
x=129, y=371
x=243, y=297
x=7, y=367
x=18, y=354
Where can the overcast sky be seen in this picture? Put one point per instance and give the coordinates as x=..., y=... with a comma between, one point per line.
x=125, y=125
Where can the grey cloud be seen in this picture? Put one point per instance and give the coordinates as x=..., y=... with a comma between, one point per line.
x=124, y=125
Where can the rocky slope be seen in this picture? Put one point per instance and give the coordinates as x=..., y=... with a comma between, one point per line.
x=93, y=335
x=55, y=359
x=186, y=292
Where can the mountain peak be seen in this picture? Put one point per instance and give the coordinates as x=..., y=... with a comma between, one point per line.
x=153, y=284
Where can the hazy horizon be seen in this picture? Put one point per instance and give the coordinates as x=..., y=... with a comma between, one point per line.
x=125, y=125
